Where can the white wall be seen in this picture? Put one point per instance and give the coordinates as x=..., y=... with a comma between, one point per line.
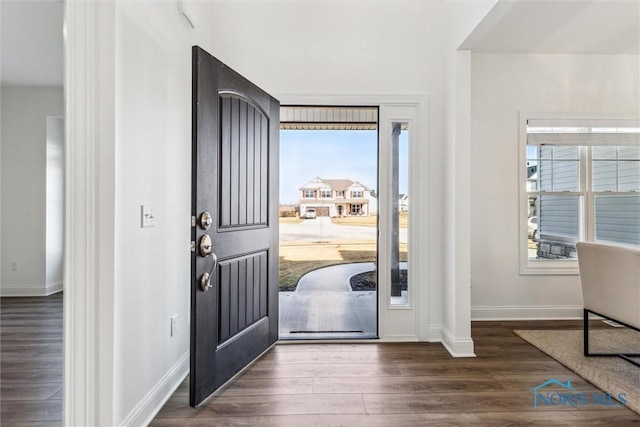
x=24, y=162
x=316, y=47
x=153, y=167
x=503, y=85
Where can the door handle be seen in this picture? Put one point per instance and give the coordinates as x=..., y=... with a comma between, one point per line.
x=205, y=279
x=206, y=249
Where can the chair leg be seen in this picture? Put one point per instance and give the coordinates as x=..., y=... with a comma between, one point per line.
x=587, y=353
x=585, y=329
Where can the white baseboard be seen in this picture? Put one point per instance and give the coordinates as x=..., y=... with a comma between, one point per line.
x=538, y=312
x=53, y=288
x=399, y=338
x=30, y=290
x=457, y=347
x=146, y=410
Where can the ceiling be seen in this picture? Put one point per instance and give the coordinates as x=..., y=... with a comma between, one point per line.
x=560, y=26
x=32, y=43
x=32, y=40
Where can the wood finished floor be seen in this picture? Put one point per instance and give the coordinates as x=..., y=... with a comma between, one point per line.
x=318, y=384
x=31, y=361
x=396, y=385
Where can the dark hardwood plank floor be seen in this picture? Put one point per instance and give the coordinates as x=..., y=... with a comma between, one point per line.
x=397, y=385
x=31, y=361
x=318, y=384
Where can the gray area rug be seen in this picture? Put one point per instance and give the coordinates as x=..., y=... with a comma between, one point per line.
x=611, y=374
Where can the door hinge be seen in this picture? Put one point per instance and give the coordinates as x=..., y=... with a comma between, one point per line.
x=193, y=246
x=193, y=221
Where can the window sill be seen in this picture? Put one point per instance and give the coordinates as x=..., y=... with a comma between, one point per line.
x=534, y=267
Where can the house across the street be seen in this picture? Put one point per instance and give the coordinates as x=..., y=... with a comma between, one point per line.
x=336, y=197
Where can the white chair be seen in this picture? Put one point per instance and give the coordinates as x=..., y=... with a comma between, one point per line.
x=610, y=278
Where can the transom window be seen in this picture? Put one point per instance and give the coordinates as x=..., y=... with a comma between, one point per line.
x=582, y=183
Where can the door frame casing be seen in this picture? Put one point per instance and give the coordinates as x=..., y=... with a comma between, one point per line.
x=393, y=320
x=89, y=254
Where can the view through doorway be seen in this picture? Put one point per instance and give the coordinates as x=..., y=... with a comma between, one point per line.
x=328, y=222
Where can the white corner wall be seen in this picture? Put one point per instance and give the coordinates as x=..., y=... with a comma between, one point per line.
x=501, y=87
x=24, y=198
x=462, y=18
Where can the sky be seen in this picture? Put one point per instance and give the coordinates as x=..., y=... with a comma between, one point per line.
x=340, y=154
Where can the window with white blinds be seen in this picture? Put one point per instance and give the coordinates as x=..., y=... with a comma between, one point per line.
x=582, y=183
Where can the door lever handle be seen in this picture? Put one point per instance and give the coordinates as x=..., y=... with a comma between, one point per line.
x=205, y=279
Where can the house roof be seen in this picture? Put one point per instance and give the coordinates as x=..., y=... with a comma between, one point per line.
x=339, y=184
x=335, y=184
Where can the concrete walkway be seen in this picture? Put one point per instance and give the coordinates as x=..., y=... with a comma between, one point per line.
x=324, y=306
x=335, y=278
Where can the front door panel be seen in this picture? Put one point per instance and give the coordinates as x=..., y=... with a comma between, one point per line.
x=234, y=314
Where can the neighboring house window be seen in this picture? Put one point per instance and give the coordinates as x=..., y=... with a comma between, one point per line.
x=308, y=194
x=356, y=194
x=325, y=194
x=356, y=208
x=582, y=183
x=340, y=193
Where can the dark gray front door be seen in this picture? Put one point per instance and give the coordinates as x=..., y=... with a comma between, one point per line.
x=234, y=315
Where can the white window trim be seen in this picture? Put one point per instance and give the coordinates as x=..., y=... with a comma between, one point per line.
x=552, y=267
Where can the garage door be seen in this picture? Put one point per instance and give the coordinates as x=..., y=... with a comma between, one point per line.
x=322, y=211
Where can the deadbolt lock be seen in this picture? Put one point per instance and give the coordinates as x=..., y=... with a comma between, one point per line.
x=205, y=220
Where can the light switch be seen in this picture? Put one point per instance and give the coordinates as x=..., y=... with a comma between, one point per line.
x=174, y=324
x=148, y=218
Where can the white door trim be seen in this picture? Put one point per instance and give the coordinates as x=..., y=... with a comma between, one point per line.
x=395, y=323
x=89, y=212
